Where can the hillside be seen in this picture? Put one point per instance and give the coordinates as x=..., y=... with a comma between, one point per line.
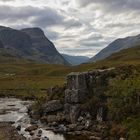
x=30, y=44
x=116, y=46
x=21, y=73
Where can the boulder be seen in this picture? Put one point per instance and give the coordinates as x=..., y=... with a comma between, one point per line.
x=94, y=138
x=31, y=128
x=52, y=106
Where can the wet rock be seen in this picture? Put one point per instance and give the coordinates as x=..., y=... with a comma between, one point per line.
x=32, y=133
x=36, y=139
x=52, y=106
x=18, y=127
x=31, y=128
x=94, y=138
x=122, y=139
x=72, y=127
x=61, y=129
x=80, y=119
x=39, y=132
x=45, y=138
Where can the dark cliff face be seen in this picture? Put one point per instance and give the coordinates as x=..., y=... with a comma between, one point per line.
x=15, y=41
x=116, y=46
x=1, y=45
x=30, y=44
x=44, y=49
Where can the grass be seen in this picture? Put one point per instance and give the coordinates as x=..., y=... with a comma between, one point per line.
x=22, y=75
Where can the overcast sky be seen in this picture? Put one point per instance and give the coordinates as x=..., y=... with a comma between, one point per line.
x=77, y=27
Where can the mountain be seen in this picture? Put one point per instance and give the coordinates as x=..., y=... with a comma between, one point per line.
x=75, y=60
x=126, y=56
x=116, y=46
x=1, y=45
x=31, y=44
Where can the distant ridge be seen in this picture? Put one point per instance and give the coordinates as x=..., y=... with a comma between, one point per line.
x=75, y=60
x=116, y=46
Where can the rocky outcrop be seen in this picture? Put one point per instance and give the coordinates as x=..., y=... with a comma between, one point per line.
x=73, y=115
x=81, y=88
x=52, y=106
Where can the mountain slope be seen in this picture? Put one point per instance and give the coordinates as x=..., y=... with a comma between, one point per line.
x=44, y=50
x=126, y=55
x=116, y=46
x=75, y=60
x=30, y=44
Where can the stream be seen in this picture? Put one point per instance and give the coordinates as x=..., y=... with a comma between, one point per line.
x=15, y=110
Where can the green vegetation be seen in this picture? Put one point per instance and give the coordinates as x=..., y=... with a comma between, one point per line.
x=21, y=77
x=124, y=104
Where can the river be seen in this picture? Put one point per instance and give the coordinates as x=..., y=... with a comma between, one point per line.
x=15, y=110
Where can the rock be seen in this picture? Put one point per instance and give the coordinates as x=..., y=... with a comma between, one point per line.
x=122, y=139
x=52, y=106
x=80, y=128
x=94, y=138
x=72, y=127
x=52, y=118
x=36, y=139
x=74, y=113
x=45, y=138
x=32, y=121
x=18, y=127
x=75, y=96
x=88, y=124
x=76, y=81
x=80, y=119
x=62, y=128
x=32, y=133
x=39, y=132
x=31, y=128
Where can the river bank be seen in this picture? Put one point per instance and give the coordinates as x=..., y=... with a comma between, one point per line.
x=9, y=132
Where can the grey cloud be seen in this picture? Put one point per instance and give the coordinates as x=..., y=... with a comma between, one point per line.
x=6, y=0
x=43, y=17
x=114, y=5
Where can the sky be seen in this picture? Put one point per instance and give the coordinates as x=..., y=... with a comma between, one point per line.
x=76, y=27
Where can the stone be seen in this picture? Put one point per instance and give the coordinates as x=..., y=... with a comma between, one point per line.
x=75, y=96
x=31, y=128
x=76, y=81
x=40, y=132
x=36, y=139
x=45, y=138
x=60, y=129
x=32, y=133
x=94, y=138
x=122, y=139
x=80, y=119
x=52, y=106
x=72, y=127
x=18, y=127
x=74, y=113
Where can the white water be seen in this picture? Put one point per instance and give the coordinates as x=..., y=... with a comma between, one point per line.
x=15, y=110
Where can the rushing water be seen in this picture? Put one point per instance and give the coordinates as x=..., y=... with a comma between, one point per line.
x=15, y=110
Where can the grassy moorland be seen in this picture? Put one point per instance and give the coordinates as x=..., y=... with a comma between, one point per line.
x=25, y=78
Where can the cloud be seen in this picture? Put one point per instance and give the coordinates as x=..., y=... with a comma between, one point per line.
x=113, y=5
x=76, y=26
x=6, y=0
